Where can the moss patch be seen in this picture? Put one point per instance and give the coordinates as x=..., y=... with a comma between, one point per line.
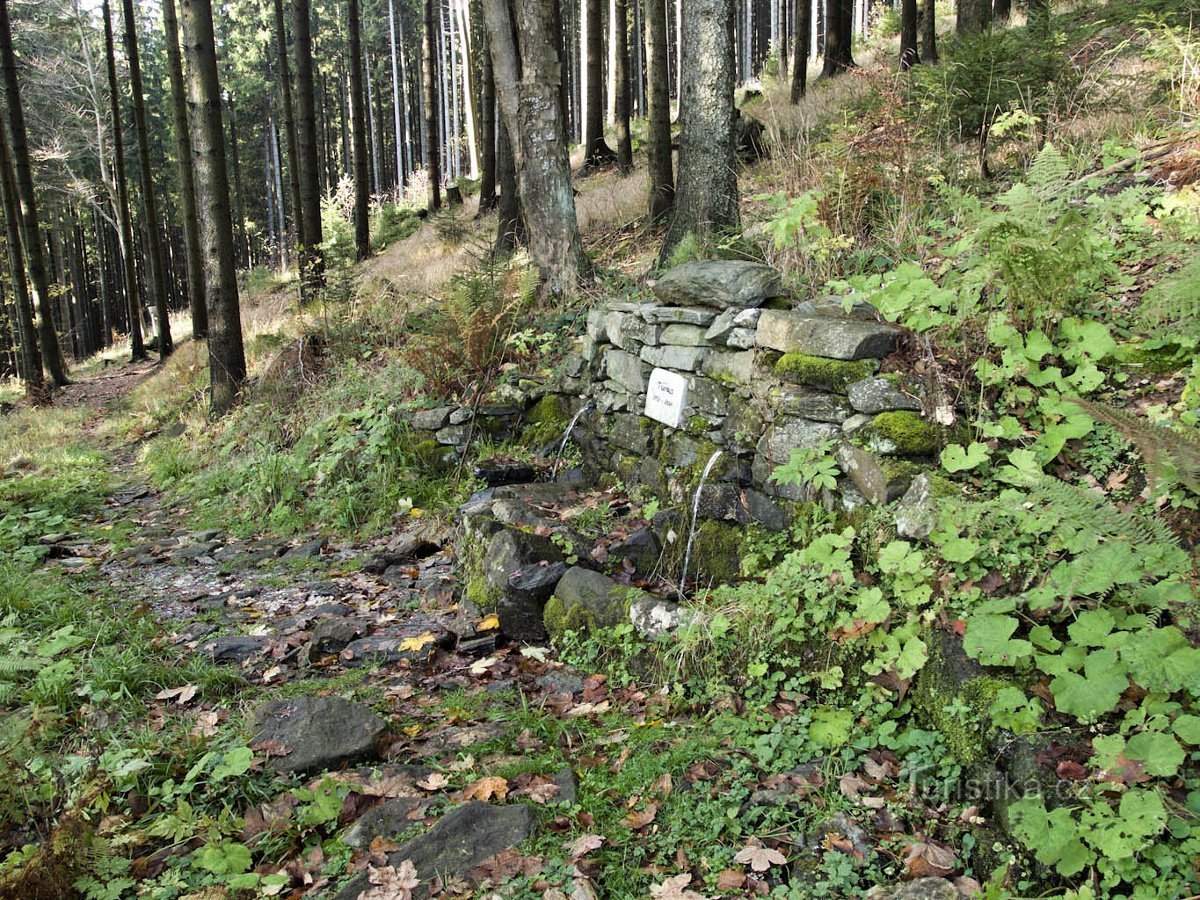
x=957, y=707
x=476, y=588
x=545, y=421
x=831, y=374
x=903, y=432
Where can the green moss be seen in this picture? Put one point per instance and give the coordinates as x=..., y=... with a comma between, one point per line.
x=831, y=374
x=717, y=550
x=957, y=709
x=561, y=620
x=476, y=588
x=1155, y=361
x=545, y=421
x=430, y=456
x=696, y=425
x=903, y=432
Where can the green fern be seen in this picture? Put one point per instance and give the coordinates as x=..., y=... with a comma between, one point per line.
x=1171, y=455
x=1171, y=309
x=1049, y=173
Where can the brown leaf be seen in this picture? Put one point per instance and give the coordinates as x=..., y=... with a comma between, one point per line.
x=434, y=781
x=584, y=844
x=926, y=860
x=486, y=788
x=759, y=858
x=730, y=880
x=676, y=888
x=641, y=818
x=391, y=882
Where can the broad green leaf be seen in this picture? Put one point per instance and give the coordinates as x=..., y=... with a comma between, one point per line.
x=1188, y=729
x=1162, y=659
x=956, y=458
x=989, y=639
x=1095, y=692
x=1091, y=628
x=1160, y=752
x=830, y=728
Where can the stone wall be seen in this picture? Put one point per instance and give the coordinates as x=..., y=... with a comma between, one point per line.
x=764, y=376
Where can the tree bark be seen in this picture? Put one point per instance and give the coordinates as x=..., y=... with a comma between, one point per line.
x=155, y=276
x=470, y=110
x=399, y=103
x=133, y=303
x=487, y=130
x=241, y=238
x=527, y=68
x=658, y=111
x=226, y=355
x=30, y=354
x=429, y=123
x=974, y=16
x=800, y=50
x=1002, y=11
x=595, y=150
x=928, y=29
x=908, y=35
x=509, y=229
x=31, y=237
x=312, y=265
x=299, y=228
x=839, y=21
x=621, y=101
x=706, y=200
x=187, y=174
x=358, y=122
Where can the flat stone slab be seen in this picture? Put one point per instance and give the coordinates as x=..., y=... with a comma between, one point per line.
x=792, y=332
x=321, y=733
x=719, y=283
x=464, y=838
x=386, y=821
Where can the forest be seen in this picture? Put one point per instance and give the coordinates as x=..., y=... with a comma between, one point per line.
x=677, y=449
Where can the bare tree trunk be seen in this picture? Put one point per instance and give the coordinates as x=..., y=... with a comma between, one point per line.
x=527, y=66
x=187, y=174
x=658, y=112
x=429, y=123
x=706, y=200
x=620, y=12
x=358, y=122
x=509, y=227
x=31, y=237
x=241, y=238
x=312, y=265
x=800, y=50
x=124, y=224
x=470, y=113
x=1002, y=11
x=928, y=29
x=974, y=16
x=226, y=356
x=30, y=356
x=595, y=150
x=908, y=35
x=487, y=131
x=839, y=20
x=398, y=94
x=374, y=133
x=155, y=277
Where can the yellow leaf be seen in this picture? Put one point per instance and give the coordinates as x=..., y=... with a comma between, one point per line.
x=486, y=788
x=413, y=730
x=416, y=643
x=416, y=513
x=489, y=623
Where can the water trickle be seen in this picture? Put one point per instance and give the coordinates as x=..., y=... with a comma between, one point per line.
x=567, y=436
x=687, y=554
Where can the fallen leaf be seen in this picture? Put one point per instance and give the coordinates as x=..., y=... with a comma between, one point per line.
x=486, y=788
x=181, y=695
x=489, y=623
x=434, y=781
x=676, y=888
x=641, y=818
x=730, y=880
x=538, y=653
x=480, y=666
x=759, y=858
x=588, y=709
x=391, y=882
x=414, y=644
x=925, y=859
x=584, y=844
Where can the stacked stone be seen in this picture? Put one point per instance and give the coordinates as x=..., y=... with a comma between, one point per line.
x=450, y=426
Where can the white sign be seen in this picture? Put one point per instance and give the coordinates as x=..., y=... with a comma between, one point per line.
x=666, y=396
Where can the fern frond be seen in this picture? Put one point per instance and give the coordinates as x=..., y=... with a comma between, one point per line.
x=1170, y=454
x=1172, y=307
x=1087, y=510
x=15, y=665
x=1049, y=174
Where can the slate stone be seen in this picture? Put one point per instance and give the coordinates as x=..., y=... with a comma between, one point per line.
x=322, y=733
x=494, y=472
x=406, y=549
x=195, y=551
x=461, y=415
x=597, y=325
x=431, y=419
x=525, y=568
x=641, y=548
x=835, y=307
x=235, y=649
x=916, y=513
x=706, y=397
x=464, y=838
x=849, y=339
x=736, y=366
x=808, y=403
x=568, y=787
x=865, y=470
x=923, y=889
x=632, y=433
x=584, y=598
x=560, y=681
x=627, y=370
x=683, y=335
x=719, y=283
x=684, y=359
x=307, y=550
x=388, y=820
x=791, y=434
x=670, y=315
x=331, y=635
x=452, y=435
x=630, y=331
x=876, y=395
x=654, y=617
x=741, y=338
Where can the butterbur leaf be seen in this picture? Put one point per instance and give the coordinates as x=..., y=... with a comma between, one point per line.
x=956, y=458
x=759, y=858
x=1188, y=729
x=1160, y=752
x=989, y=640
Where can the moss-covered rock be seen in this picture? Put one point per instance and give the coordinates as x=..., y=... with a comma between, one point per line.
x=829, y=374
x=545, y=421
x=717, y=550
x=903, y=433
x=585, y=601
x=953, y=696
x=432, y=456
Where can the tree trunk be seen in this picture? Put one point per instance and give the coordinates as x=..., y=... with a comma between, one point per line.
x=706, y=200
x=30, y=354
x=509, y=229
x=155, y=276
x=1002, y=11
x=800, y=50
x=374, y=130
x=658, y=112
x=240, y=236
x=226, y=356
x=839, y=20
x=124, y=223
x=527, y=66
x=31, y=237
x=928, y=29
x=187, y=175
x=312, y=265
x=908, y=35
x=487, y=130
x=620, y=12
x=470, y=112
x=595, y=151
x=974, y=16
x=429, y=123
x=358, y=122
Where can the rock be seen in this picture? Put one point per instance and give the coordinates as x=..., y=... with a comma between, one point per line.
x=321, y=733
x=641, y=548
x=431, y=419
x=235, y=649
x=585, y=600
x=920, y=889
x=865, y=470
x=633, y=433
x=706, y=397
x=743, y=505
x=307, y=550
x=835, y=307
x=453, y=435
x=654, y=617
x=495, y=472
x=195, y=551
x=670, y=315
x=834, y=375
x=626, y=370
x=331, y=635
x=560, y=681
x=407, y=548
x=847, y=339
x=684, y=335
x=787, y=435
x=856, y=423
x=741, y=338
x=903, y=433
x=876, y=395
x=737, y=367
x=568, y=786
x=719, y=283
x=684, y=359
x=464, y=838
x=525, y=568
x=808, y=403
x=461, y=415
x=597, y=324
x=840, y=823
x=388, y=820
x=629, y=331
x=731, y=321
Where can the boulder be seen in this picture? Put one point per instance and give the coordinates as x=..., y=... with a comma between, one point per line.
x=524, y=568
x=464, y=838
x=641, y=548
x=849, y=339
x=918, y=889
x=320, y=733
x=719, y=283
x=585, y=600
x=384, y=821
x=916, y=513
x=332, y=634
x=653, y=617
